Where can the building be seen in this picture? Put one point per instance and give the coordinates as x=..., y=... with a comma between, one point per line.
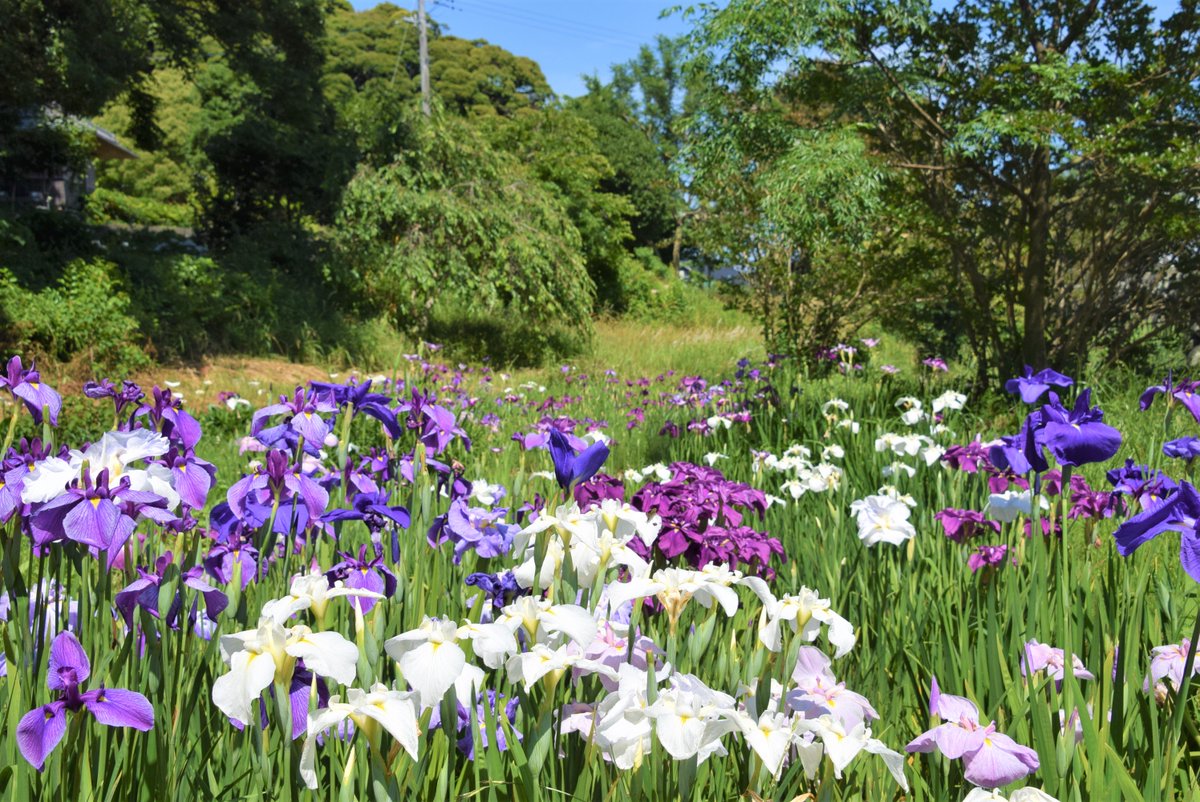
x=42, y=183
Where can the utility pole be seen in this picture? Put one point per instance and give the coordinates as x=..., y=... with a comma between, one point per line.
x=424, y=58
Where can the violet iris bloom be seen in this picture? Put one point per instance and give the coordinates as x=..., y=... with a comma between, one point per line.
x=990, y=759
x=1186, y=393
x=968, y=458
x=363, y=574
x=233, y=557
x=1078, y=436
x=570, y=467
x=374, y=510
x=1184, y=448
x=28, y=387
x=97, y=516
x=1041, y=657
x=1032, y=386
x=1142, y=482
x=41, y=729
x=501, y=589
x=473, y=528
x=143, y=592
x=1022, y=452
x=278, y=481
x=987, y=557
x=597, y=489
x=170, y=419
x=1179, y=512
x=359, y=398
x=301, y=421
x=128, y=393
x=483, y=701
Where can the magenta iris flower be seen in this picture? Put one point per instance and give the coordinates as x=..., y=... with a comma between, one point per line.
x=41, y=729
x=360, y=573
x=1032, y=386
x=990, y=759
x=962, y=525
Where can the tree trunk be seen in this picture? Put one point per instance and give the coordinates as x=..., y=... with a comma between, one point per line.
x=677, y=244
x=1033, y=347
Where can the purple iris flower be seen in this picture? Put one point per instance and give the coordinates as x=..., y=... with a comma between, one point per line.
x=1185, y=392
x=1078, y=436
x=1142, y=482
x=374, y=510
x=125, y=395
x=572, y=467
x=968, y=458
x=230, y=556
x=990, y=759
x=278, y=480
x=96, y=515
x=1032, y=386
x=483, y=701
x=170, y=419
x=473, y=528
x=41, y=729
x=1184, y=448
x=987, y=557
x=1179, y=512
x=27, y=385
x=962, y=525
x=597, y=489
x=143, y=592
x=1020, y=453
x=501, y=589
x=363, y=574
x=302, y=421
x=360, y=399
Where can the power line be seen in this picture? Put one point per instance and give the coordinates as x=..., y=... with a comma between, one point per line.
x=547, y=25
x=589, y=27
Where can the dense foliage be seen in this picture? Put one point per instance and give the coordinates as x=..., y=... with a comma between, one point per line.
x=1037, y=157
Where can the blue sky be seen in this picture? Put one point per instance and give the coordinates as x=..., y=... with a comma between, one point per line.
x=566, y=37
x=569, y=38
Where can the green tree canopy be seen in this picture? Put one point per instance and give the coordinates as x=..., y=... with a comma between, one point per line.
x=1044, y=152
x=454, y=218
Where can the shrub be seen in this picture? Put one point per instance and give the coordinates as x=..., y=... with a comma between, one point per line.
x=85, y=316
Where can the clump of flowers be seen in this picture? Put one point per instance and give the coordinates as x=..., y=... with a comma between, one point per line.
x=704, y=520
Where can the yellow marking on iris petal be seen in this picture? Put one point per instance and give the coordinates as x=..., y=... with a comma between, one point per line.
x=95, y=503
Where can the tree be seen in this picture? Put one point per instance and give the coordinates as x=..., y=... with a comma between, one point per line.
x=372, y=71
x=638, y=171
x=559, y=148
x=652, y=91
x=455, y=220
x=1047, y=151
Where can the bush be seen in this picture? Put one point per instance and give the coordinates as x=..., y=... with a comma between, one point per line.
x=85, y=317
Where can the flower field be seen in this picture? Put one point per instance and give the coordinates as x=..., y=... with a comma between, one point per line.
x=449, y=583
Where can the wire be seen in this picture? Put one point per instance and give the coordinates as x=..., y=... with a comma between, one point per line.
x=500, y=5
x=547, y=26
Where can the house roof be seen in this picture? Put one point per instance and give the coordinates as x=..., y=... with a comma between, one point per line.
x=107, y=144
